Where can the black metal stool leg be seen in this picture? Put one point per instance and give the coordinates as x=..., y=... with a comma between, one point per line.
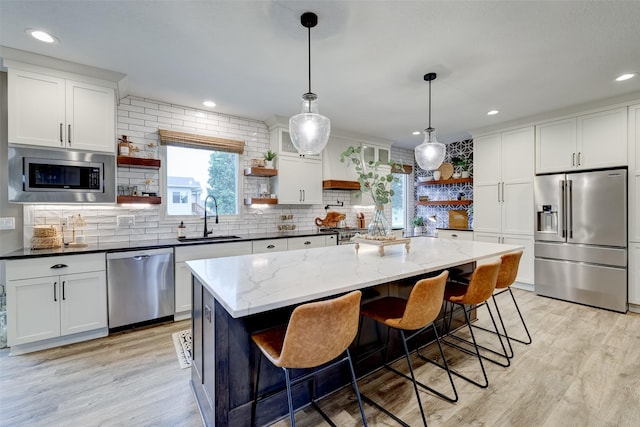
x=413, y=377
x=289, y=398
x=355, y=388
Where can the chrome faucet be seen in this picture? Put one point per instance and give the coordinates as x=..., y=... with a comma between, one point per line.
x=215, y=202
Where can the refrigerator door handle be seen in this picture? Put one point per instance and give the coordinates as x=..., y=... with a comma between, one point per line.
x=570, y=208
x=562, y=230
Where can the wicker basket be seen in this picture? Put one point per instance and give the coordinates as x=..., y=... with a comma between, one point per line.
x=44, y=231
x=46, y=242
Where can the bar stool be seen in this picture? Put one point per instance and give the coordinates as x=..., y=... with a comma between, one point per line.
x=415, y=314
x=506, y=278
x=478, y=291
x=317, y=333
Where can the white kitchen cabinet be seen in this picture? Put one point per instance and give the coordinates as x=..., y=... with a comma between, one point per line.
x=332, y=168
x=375, y=153
x=331, y=240
x=503, y=182
x=634, y=173
x=454, y=234
x=525, y=269
x=55, y=297
x=634, y=276
x=269, y=245
x=183, y=274
x=281, y=143
x=299, y=181
x=48, y=111
x=578, y=143
x=307, y=242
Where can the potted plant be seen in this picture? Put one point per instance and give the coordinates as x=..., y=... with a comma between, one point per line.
x=462, y=164
x=268, y=158
x=378, y=185
x=418, y=223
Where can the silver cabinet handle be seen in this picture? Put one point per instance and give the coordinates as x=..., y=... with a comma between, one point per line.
x=570, y=209
x=56, y=266
x=573, y=159
x=61, y=140
x=55, y=296
x=69, y=135
x=502, y=191
x=579, y=158
x=304, y=196
x=63, y=296
x=498, y=192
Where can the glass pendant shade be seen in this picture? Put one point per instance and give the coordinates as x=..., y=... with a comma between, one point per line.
x=430, y=154
x=309, y=130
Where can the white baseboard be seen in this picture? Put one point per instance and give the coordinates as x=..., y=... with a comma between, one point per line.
x=57, y=342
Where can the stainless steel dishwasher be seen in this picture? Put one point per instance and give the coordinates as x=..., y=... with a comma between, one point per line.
x=140, y=286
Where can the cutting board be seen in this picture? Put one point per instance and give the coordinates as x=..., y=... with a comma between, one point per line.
x=458, y=219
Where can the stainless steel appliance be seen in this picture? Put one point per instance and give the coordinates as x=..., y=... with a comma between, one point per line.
x=60, y=176
x=581, y=237
x=140, y=286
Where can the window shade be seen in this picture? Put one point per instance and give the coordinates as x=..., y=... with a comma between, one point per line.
x=192, y=140
x=401, y=168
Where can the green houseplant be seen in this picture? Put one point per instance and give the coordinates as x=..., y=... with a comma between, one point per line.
x=268, y=158
x=375, y=183
x=462, y=163
x=418, y=223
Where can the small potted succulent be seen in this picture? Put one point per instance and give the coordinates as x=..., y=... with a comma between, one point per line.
x=268, y=159
x=418, y=223
x=462, y=166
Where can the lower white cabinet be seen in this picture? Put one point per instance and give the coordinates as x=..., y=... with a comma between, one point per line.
x=525, y=270
x=55, y=297
x=183, y=274
x=269, y=245
x=306, y=242
x=455, y=234
x=634, y=275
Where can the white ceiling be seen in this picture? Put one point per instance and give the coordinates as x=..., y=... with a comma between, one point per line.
x=523, y=58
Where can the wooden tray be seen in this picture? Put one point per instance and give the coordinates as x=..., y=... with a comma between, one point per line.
x=381, y=243
x=446, y=170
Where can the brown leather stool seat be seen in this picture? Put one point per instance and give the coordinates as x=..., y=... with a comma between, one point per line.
x=317, y=333
x=414, y=314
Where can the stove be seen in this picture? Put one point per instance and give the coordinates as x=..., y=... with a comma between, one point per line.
x=344, y=234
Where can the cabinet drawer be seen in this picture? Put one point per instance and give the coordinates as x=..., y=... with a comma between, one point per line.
x=42, y=267
x=271, y=245
x=214, y=250
x=455, y=234
x=305, y=242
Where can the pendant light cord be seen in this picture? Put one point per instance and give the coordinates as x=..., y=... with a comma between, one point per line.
x=429, y=104
x=309, y=50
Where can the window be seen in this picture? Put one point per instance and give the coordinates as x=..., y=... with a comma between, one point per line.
x=399, y=200
x=195, y=173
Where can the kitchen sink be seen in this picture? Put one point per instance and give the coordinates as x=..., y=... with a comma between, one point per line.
x=208, y=238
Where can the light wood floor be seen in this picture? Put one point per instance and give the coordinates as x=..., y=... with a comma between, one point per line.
x=583, y=369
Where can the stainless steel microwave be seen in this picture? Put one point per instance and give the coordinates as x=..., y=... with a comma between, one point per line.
x=57, y=176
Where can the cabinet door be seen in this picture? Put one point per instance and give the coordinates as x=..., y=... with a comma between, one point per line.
x=83, y=302
x=487, y=210
x=634, y=273
x=90, y=113
x=183, y=288
x=634, y=173
x=294, y=243
x=271, y=245
x=556, y=146
x=517, y=207
x=33, y=310
x=602, y=139
x=518, y=151
x=282, y=144
x=36, y=109
x=525, y=269
x=487, y=159
x=455, y=234
x=299, y=181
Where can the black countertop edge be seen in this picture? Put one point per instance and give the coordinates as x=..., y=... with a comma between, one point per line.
x=455, y=229
x=151, y=244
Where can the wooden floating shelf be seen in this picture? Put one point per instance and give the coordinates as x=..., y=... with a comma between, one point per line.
x=258, y=171
x=260, y=201
x=138, y=162
x=151, y=200
x=443, y=202
x=340, y=185
x=447, y=181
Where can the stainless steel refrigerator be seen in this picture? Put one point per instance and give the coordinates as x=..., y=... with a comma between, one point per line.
x=581, y=237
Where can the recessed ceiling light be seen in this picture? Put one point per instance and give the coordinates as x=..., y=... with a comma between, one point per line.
x=492, y=112
x=209, y=104
x=416, y=132
x=43, y=36
x=626, y=76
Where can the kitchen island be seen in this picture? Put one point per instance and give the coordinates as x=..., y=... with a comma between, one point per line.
x=234, y=297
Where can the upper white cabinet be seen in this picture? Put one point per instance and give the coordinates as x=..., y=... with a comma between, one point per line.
x=48, y=111
x=578, y=142
x=503, y=182
x=375, y=153
x=281, y=143
x=634, y=175
x=299, y=181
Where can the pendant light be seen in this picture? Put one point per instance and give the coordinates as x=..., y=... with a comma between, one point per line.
x=430, y=154
x=309, y=130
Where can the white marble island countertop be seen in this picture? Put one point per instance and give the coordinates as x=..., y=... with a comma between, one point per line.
x=251, y=284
